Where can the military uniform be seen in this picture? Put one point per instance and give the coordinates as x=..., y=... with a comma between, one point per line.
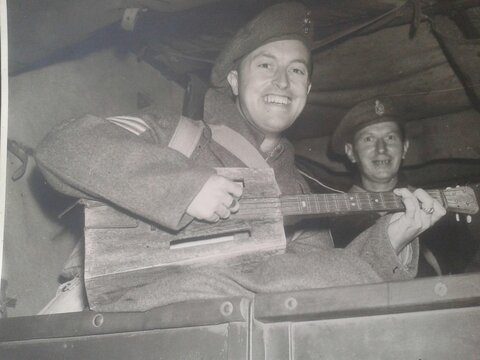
x=95, y=158
x=345, y=228
x=91, y=157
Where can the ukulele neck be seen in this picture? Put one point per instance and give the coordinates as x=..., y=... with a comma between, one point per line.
x=325, y=204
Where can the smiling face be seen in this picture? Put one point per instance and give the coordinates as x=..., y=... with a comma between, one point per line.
x=272, y=84
x=378, y=150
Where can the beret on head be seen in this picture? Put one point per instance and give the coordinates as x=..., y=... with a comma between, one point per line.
x=284, y=21
x=372, y=111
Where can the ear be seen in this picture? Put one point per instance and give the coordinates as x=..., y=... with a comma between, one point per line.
x=232, y=79
x=406, y=144
x=349, y=152
x=309, y=88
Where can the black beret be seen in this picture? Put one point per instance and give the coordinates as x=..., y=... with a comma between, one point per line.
x=283, y=21
x=372, y=111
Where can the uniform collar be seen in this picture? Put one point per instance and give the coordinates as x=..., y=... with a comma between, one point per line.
x=357, y=186
x=220, y=108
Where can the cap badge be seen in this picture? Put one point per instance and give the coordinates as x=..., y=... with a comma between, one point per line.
x=379, y=108
x=306, y=22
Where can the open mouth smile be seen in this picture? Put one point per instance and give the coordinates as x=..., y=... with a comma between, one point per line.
x=277, y=99
x=381, y=163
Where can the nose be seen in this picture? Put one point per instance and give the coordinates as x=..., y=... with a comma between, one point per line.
x=380, y=146
x=281, y=80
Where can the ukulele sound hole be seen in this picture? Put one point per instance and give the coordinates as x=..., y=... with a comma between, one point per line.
x=208, y=240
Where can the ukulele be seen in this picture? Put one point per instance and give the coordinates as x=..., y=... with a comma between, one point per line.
x=120, y=249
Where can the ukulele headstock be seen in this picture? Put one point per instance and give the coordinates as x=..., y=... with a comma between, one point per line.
x=461, y=200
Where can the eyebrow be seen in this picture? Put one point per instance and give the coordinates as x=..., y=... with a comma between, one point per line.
x=370, y=133
x=273, y=57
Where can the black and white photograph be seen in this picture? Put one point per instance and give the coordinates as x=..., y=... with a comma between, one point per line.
x=220, y=179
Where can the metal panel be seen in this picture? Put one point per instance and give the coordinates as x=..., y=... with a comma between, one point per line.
x=432, y=318
x=441, y=334
x=272, y=341
x=203, y=329
x=392, y=297
x=181, y=315
x=206, y=342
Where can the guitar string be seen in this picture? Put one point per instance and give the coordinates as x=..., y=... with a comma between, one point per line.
x=319, y=201
x=316, y=200
x=294, y=205
x=388, y=198
x=323, y=202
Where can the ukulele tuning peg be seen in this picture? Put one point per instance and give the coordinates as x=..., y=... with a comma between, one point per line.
x=469, y=219
x=457, y=217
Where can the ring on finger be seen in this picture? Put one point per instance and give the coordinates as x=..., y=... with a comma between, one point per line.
x=429, y=210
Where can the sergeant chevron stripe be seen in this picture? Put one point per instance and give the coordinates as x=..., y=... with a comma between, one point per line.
x=133, y=124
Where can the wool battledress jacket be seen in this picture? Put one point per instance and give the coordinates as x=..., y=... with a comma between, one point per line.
x=94, y=158
x=344, y=229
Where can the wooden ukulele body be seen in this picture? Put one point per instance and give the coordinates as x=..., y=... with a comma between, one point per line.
x=122, y=251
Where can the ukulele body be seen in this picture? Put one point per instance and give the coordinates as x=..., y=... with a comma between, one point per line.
x=123, y=251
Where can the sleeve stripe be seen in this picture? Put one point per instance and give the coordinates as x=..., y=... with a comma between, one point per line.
x=133, y=124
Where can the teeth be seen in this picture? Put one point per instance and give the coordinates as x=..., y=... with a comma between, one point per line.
x=276, y=99
x=382, y=162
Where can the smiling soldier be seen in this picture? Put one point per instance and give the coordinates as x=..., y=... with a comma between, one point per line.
x=373, y=138
x=260, y=85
